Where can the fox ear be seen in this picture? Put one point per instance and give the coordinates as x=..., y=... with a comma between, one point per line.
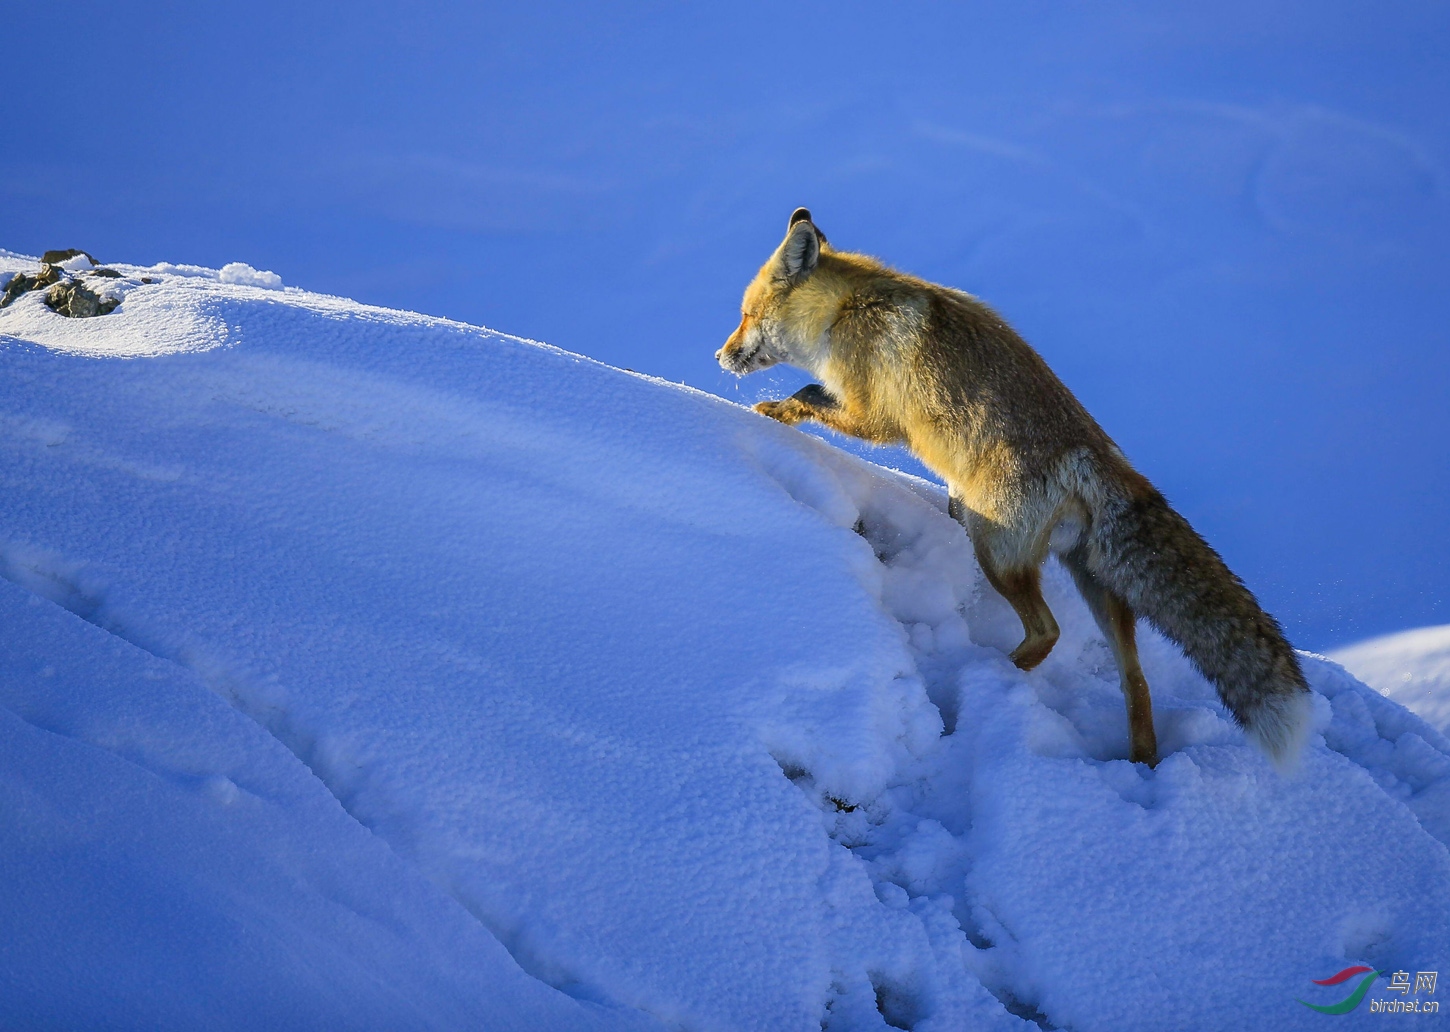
x=801, y=250
x=803, y=215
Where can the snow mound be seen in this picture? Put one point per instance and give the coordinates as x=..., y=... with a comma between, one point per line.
x=1412, y=667
x=244, y=275
x=703, y=722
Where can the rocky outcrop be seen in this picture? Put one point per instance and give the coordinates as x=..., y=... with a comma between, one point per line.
x=21, y=283
x=68, y=293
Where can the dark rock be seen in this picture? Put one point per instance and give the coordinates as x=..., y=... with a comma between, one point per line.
x=18, y=284
x=72, y=299
x=21, y=283
x=107, y=273
x=56, y=257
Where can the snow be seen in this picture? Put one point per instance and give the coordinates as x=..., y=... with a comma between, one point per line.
x=171, y=865
x=77, y=263
x=364, y=669
x=243, y=274
x=1412, y=667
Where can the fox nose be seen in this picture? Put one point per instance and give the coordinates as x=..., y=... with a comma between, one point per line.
x=719, y=354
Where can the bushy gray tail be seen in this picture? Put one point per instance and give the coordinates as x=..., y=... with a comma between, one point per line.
x=1147, y=553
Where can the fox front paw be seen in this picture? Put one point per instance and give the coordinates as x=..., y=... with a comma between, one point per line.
x=804, y=404
x=787, y=410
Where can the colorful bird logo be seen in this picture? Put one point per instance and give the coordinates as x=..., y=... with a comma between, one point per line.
x=1351, y=1001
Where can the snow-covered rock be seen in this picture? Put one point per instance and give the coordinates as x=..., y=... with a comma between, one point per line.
x=364, y=669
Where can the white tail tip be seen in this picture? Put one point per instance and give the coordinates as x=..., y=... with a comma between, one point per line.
x=1280, y=725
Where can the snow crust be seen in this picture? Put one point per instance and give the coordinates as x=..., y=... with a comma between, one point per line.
x=1411, y=667
x=364, y=669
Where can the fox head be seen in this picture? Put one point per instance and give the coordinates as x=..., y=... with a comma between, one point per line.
x=766, y=334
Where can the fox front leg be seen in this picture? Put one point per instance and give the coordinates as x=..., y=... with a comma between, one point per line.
x=810, y=402
x=814, y=402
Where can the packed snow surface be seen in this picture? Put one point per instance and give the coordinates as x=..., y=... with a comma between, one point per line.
x=1412, y=667
x=366, y=670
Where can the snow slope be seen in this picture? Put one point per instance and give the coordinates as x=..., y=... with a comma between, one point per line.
x=369, y=670
x=1412, y=667
x=169, y=864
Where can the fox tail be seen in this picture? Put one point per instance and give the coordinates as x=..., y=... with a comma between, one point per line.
x=1148, y=554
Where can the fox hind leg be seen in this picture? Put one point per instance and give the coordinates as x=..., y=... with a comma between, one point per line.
x=1119, y=626
x=1018, y=582
x=1023, y=589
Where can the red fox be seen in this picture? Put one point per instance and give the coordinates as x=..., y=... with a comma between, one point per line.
x=1027, y=470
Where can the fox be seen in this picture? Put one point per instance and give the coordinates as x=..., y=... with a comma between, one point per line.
x=1028, y=471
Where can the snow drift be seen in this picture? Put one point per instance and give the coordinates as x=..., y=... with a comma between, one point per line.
x=1411, y=667
x=369, y=670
